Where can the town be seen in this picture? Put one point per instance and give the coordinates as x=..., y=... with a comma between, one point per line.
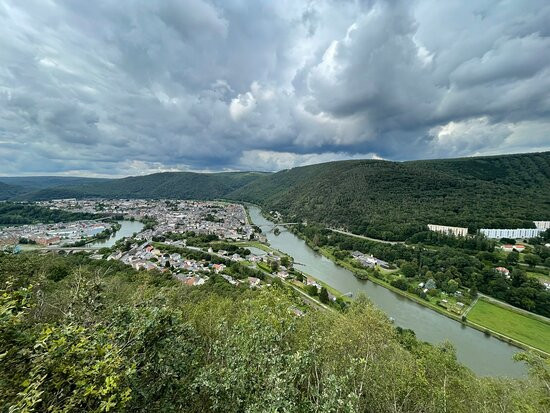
x=58, y=234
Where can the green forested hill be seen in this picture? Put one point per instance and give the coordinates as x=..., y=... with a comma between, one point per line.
x=9, y=191
x=41, y=182
x=183, y=185
x=393, y=200
x=382, y=199
x=21, y=214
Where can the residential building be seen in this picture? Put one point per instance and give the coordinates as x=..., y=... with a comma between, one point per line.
x=542, y=224
x=444, y=229
x=495, y=233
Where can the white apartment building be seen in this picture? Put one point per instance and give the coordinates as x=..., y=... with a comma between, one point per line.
x=542, y=224
x=511, y=233
x=449, y=230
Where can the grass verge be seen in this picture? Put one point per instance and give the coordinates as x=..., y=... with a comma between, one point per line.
x=520, y=327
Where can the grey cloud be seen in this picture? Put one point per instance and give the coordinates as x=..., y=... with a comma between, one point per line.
x=111, y=87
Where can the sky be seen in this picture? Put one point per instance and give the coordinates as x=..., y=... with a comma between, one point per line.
x=117, y=88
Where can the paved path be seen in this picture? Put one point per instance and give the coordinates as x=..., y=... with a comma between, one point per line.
x=363, y=237
x=471, y=306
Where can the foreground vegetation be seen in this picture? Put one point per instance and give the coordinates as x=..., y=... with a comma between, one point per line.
x=520, y=327
x=85, y=335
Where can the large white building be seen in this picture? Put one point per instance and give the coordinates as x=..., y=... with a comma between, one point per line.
x=449, y=230
x=511, y=233
x=542, y=224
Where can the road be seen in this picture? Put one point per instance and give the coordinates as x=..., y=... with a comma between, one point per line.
x=363, y=237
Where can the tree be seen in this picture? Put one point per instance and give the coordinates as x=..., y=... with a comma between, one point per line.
x=532, y=260
x=512, y=258
x=518, y=277
x=323, y=296
x=58, y=271
x=285, y=261
x=409, y=270
x=473, y=292
x=274, y=266
x=312, y=290
x=452, y=286
x=400, y=283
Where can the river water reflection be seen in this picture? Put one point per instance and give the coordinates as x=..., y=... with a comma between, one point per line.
x=127, y=229
x=483, y=354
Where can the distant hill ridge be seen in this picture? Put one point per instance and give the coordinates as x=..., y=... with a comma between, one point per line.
x=383, y=199
x=181, y=185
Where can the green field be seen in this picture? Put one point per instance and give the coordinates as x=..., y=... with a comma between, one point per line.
x=523, y=328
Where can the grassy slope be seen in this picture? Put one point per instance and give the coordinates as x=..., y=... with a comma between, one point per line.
x=518, y=326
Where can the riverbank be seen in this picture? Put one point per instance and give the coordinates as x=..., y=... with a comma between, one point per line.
x=458, y=318
x=522, y=327
x=482, y=353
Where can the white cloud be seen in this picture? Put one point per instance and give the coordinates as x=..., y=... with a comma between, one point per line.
x=260, y=160
x=242, y=105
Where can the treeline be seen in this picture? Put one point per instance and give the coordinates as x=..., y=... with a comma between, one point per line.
x=171, y=185
x=472, y=243
x=21, y=214
x=191, y=237
x=81, y=335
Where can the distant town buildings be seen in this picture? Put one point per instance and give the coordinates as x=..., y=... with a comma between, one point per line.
x=444, y=229
x=227, y=221
x=511, y=233
x=52, y=234
x=542, y=224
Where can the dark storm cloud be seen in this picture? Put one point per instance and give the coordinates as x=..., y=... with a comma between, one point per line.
x=129, y=87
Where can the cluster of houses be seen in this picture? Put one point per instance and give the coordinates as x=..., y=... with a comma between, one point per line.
x=192, y=272
x=513, y=247
x=227, y=221
x=368, y=260
x=52, y=234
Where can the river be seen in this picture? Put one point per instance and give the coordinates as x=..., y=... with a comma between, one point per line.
x=485, y=355
x=127, y=229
